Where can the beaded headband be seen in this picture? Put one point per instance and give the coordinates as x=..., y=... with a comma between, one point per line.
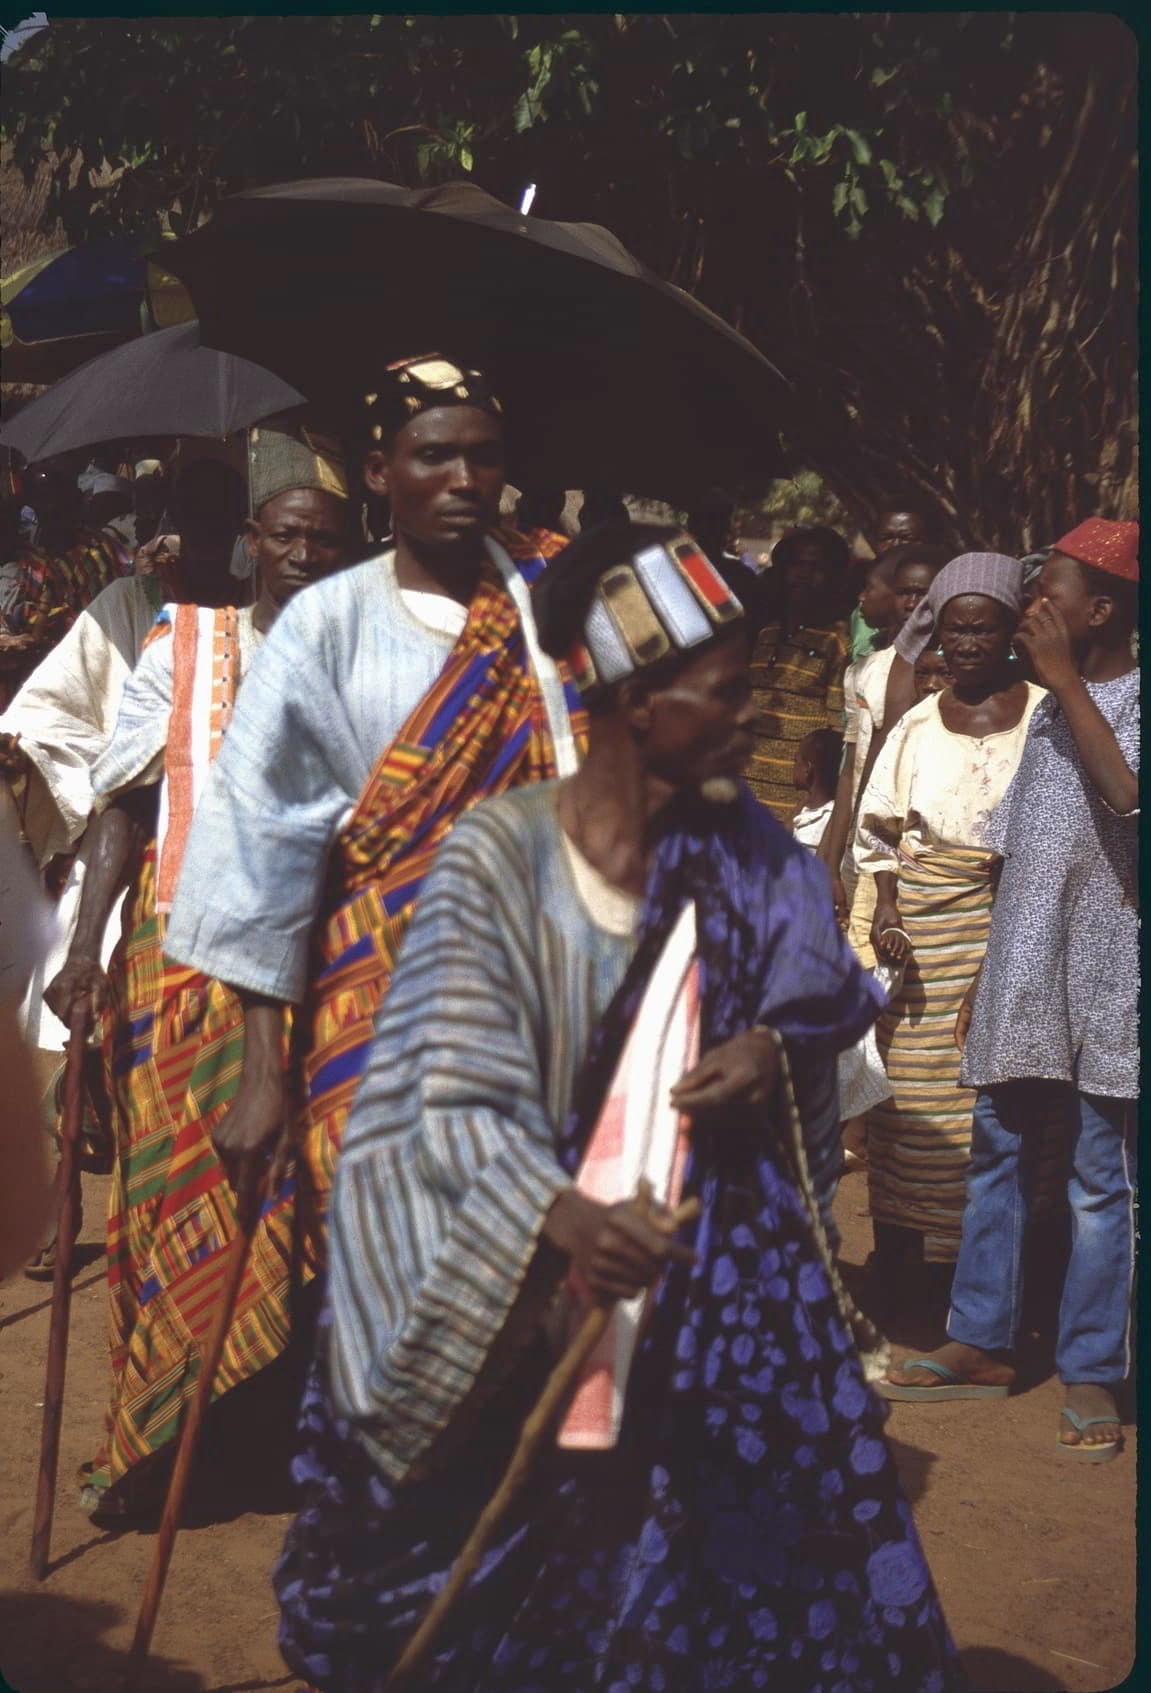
x=666, y=598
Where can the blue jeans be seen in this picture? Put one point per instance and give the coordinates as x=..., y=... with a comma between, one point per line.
x=987, y=1293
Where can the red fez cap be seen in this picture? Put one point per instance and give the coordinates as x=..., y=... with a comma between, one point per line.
x=1113, y=547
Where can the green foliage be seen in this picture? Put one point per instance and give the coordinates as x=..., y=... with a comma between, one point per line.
x=183, y=110
x=890, y=204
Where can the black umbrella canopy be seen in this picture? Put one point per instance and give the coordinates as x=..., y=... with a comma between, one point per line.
x=610, y=377
x=166, y=383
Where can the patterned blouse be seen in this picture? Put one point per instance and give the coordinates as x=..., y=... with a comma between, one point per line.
x=932, y=787
x=798, y=686
x=1058, y=994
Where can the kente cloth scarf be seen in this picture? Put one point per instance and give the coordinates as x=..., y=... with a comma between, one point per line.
x=173, y=1056
x=749, y=1530
x=481, y=730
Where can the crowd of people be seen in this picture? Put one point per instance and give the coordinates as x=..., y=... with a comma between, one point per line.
x=415, y=896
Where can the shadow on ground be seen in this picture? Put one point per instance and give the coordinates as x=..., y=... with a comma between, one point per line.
x=914, y=1466
x=52, y=1643
x=287, y=1680
x=991, y=1671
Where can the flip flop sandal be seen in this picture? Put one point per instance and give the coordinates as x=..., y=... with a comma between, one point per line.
x=41, y=1267
x=951, y=1386
x=1101, y=1453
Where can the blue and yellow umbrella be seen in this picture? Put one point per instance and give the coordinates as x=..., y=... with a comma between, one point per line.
x=62, y=310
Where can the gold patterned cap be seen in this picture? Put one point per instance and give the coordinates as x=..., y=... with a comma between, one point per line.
x=412, y=386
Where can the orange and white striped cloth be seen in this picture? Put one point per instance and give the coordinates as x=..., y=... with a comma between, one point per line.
x=638, y=1133
x=206, y=670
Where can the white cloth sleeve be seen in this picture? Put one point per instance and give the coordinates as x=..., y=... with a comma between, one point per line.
x=289, y=769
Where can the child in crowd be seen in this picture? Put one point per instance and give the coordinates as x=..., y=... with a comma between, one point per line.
x=931, y=674
x=815, y=774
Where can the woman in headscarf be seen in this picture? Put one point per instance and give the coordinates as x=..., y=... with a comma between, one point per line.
x=943, y=770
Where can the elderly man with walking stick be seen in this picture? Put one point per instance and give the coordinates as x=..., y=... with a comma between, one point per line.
x=628, y=983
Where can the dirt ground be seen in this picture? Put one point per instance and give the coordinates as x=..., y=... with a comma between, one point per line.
x=1033, y=1555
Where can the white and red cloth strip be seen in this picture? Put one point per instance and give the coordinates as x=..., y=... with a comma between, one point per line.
x=206, y=665
x=638, y=1133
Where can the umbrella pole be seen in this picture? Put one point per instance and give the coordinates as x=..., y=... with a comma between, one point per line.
x=67, y=1217
x=249, y=1195
x=545, y=1413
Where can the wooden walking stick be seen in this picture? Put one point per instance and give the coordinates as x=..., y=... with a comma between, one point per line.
x=67, y=1221
x=250, y=1189
x=547, y=1410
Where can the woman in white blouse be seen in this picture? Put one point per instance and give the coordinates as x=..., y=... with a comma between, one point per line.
x=944, y=768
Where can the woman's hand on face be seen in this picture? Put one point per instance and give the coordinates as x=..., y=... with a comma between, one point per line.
x=1044, y=636
x=887, y=937
x=744, y=1071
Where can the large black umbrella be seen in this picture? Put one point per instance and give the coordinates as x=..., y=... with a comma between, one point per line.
x=165, y=383
x=610, y=376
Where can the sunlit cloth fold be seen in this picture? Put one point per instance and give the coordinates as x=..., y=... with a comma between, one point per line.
x=489, y=724
x=638, y=1134
x=66, y=711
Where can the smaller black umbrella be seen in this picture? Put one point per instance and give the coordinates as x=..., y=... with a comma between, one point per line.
x=165, y=383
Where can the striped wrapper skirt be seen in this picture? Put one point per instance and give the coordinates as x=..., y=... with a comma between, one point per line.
x=919, y=1140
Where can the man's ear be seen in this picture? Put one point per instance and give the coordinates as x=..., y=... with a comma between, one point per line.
x=635, y=700
x=376, y=471
x=251, y=536
x=1102, y=610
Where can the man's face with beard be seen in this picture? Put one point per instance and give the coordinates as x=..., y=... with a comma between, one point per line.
x=699, y=725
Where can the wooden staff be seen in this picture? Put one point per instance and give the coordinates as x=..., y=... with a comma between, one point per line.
x=546, y=1412
x=67, y=1220
x=249, y=1196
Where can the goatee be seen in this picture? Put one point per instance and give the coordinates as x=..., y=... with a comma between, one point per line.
x=719, y=790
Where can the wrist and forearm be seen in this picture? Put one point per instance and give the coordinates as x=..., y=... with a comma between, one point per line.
x=887, y=935
x=834, y=842
x=118, y=837
x=263, y=1041
x=887, y=890
x=259, y=1111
